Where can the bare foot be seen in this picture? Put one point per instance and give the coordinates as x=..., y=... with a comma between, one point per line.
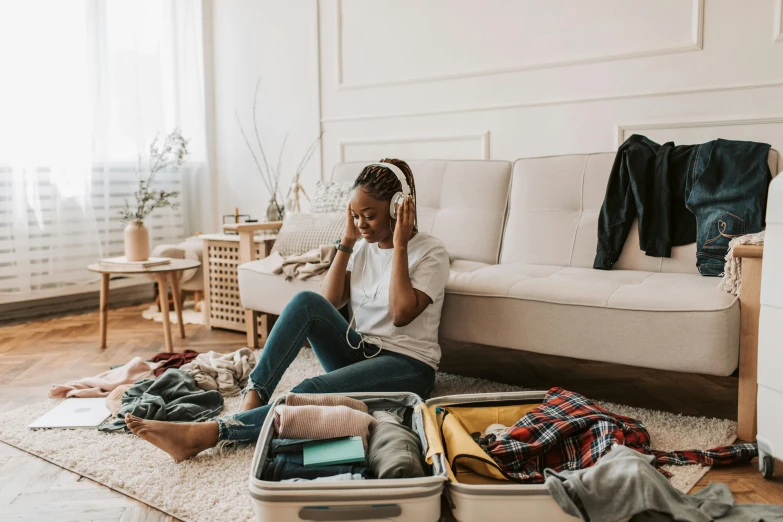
x=181, y=440
x=251, y=401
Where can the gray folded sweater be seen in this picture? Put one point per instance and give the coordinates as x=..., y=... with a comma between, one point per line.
x=395, y=452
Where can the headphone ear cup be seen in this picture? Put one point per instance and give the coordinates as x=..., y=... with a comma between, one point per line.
x=394, y=204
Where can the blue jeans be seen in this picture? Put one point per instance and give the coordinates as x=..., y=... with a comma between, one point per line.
x=727, y=192
x=310, y=316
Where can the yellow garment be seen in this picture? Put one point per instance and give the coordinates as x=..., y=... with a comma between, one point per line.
x=466, y=458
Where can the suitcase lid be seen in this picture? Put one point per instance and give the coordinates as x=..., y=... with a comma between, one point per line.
x=490, y=399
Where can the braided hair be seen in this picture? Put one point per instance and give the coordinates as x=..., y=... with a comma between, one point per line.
x=382, y=184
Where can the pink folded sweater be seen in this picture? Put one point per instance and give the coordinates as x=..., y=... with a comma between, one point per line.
x=322, y=422
x=317, y=399
x=311, y=416
x=101, y=384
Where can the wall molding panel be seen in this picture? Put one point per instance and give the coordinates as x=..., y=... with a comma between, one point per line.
x=480, y=141
x=696, y=44
x=545, y=103
x=621, y=129
x=779, y=21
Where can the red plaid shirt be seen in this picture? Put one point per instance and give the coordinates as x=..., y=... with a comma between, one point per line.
x=571, y=432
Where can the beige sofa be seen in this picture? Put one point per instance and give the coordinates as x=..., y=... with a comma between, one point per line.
x=523, y=238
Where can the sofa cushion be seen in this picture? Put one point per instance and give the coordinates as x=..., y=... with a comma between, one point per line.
x=621, y=289
x=266, y=292
x=462, y=203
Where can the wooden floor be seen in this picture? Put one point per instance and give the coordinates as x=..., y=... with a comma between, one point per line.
x=35, y=355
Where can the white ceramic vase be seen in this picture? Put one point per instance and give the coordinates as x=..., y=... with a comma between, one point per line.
x=272, y=212
x=137, y=241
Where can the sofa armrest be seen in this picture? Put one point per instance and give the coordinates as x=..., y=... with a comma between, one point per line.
x=247, y=232
x=748, y=251
x=252, y=227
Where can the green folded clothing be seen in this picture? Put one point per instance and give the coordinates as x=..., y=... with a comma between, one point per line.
x=171, y=397
x=333, y=451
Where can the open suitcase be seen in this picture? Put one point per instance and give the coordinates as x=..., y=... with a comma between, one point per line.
x=472, y=498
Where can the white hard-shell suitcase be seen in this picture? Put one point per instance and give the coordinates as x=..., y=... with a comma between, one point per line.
x=502, y=502
x=415, y=500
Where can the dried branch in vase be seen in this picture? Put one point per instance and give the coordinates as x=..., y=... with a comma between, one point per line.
x=169, y=154
x=270, y=175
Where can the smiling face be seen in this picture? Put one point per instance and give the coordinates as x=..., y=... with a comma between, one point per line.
x=371, y=216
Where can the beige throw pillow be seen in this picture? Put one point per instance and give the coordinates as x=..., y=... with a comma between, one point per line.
x=302, y=232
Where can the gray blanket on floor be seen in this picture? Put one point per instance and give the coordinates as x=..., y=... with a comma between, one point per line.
x=625, y=484
x=173, y=396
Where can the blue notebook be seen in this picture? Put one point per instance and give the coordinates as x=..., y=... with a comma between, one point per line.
x=333, y=451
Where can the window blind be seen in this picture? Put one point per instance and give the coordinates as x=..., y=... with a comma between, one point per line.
x=46, y=248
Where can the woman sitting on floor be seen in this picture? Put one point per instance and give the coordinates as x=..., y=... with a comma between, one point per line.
x=394, y=278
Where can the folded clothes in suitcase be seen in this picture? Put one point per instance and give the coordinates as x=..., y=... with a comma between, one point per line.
x=416, y=499
x=474, y=493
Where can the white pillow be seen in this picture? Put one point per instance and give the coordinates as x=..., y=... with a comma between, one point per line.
x=331, y=197
x=302, y=232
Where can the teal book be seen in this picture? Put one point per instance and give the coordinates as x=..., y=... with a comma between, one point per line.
x=345, y=450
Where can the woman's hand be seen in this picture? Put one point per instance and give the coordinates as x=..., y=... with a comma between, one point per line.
x=351, y=234
x=406, y=219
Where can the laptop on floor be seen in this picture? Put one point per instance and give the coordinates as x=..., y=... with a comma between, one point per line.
x=74, y=413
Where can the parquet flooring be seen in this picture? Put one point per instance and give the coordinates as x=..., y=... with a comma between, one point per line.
x=33, y=489
x=35, y=355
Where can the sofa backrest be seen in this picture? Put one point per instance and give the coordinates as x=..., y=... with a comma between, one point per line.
x=463, y=203
x=553, y=216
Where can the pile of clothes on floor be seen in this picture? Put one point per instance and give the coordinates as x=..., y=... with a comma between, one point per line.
x=331, y=437
x=180, y=387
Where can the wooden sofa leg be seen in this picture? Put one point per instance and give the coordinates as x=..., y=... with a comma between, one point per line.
x=749, y=344
x=251, y=326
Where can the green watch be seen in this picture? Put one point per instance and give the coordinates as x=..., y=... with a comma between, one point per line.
x=342, y=247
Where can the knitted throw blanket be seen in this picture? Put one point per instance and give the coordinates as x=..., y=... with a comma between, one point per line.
x=224, y=372
x=732, y=272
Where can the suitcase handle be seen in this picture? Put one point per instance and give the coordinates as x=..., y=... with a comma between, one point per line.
x=330, y=513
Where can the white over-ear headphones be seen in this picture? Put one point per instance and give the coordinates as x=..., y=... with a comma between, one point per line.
x=398, y=197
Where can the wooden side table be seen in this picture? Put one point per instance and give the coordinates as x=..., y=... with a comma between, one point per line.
x=750, y=306
x=248, y=251
x=222, y=255
x=172, y=271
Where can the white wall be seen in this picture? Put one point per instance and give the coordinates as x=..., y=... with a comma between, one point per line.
x=509, y=79
x=277, y=41
x=505, y=79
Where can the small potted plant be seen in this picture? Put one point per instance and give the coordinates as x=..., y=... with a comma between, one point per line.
x=170, y=154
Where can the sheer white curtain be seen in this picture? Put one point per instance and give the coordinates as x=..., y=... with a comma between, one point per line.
x=86, y=85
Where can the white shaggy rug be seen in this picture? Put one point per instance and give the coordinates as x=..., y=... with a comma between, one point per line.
x=189, y=314
x=214, y=486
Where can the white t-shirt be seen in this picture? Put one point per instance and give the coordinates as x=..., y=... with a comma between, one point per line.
x=428, y=268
